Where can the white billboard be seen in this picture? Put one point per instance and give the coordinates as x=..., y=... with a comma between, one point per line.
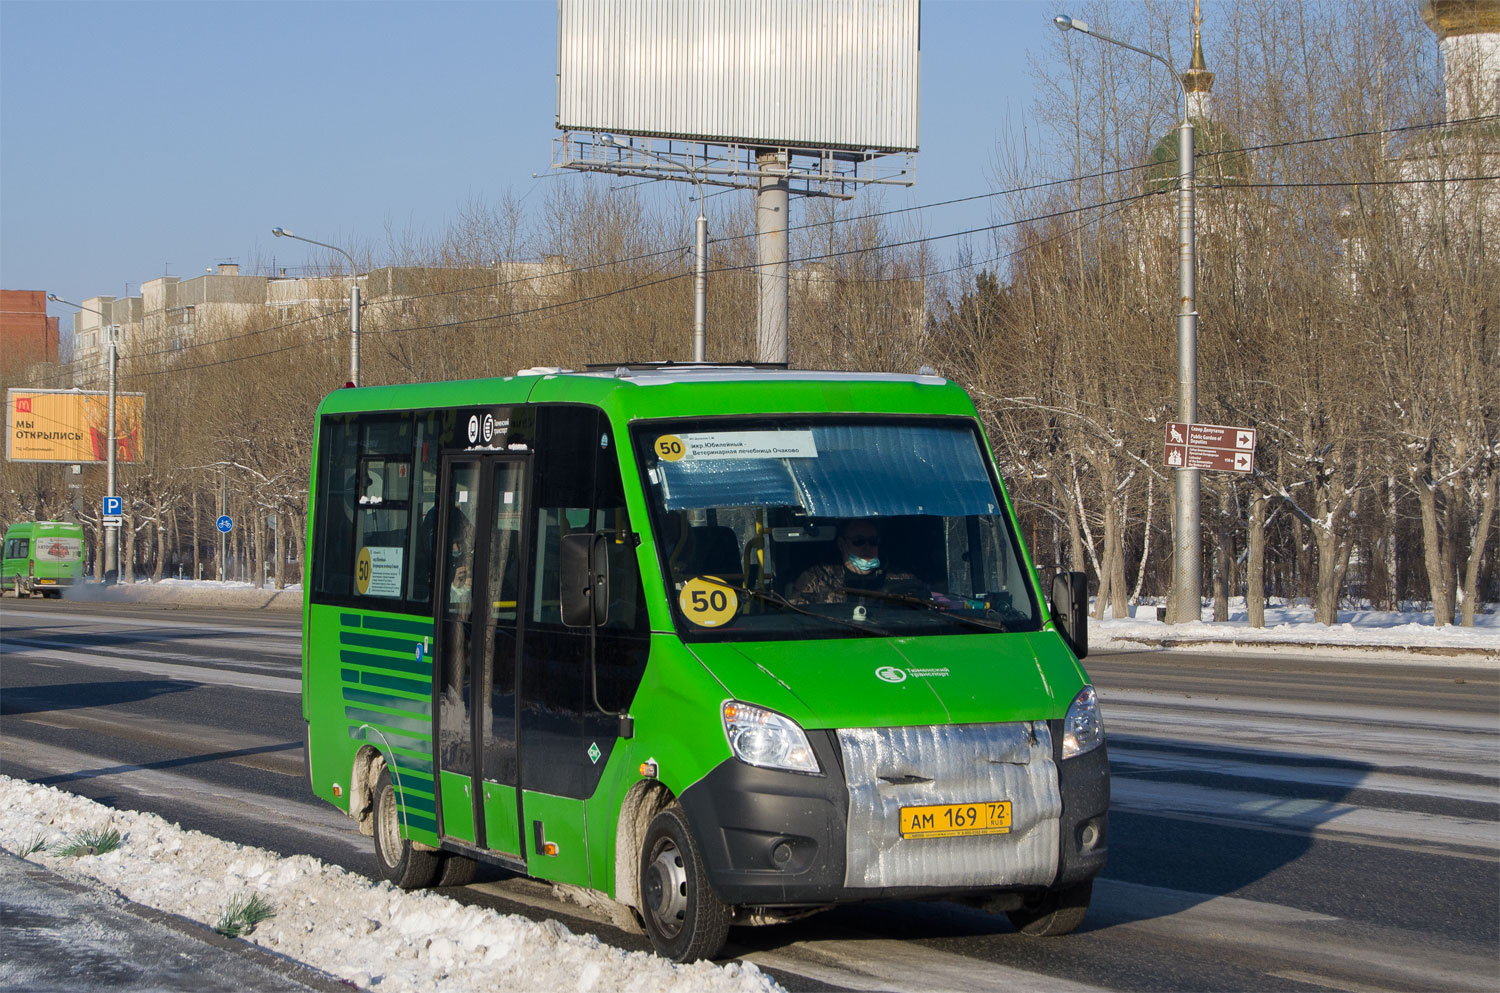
x=839, y=74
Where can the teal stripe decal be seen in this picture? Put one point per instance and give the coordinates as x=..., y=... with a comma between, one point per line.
x=349, y=620
x=422, y=687
x=413, y=801
x=383, y=721
x=421, y=668
x=413, y=708
x=418, y=821
x=349, y=675
x=418, y=628
x=413, y=754
x=404, y=646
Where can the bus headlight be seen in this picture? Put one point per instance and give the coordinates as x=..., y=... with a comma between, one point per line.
x=764, y=738
x=1083, y=727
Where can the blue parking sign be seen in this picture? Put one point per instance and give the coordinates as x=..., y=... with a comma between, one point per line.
x=111, y=506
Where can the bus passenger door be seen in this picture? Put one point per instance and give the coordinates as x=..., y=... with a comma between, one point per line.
x=474, y=712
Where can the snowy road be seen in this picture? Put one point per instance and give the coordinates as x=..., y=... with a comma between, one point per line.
x=1278, y=822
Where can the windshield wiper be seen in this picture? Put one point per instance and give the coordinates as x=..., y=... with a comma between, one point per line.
x=916, y=601
x=772, y=597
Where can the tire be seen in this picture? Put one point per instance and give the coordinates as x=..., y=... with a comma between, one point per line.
x=684, y=918
x=1054, y=913
x=400, y=861
x=456, y=870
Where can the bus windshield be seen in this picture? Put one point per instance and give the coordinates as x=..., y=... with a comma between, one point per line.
x=831, y=527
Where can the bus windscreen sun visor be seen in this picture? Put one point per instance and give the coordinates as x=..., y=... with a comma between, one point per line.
x=852, y=471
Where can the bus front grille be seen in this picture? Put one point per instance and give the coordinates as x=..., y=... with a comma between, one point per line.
x=887, y=769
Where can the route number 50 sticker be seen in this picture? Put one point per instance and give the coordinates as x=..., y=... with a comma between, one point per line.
x=670, y=448
x=706, y=603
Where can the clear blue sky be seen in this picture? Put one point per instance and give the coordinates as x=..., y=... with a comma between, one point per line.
x=142, y=139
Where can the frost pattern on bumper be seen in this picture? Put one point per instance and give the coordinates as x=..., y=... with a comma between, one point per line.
x=890, y=768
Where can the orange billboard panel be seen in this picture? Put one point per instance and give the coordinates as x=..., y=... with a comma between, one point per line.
x=71, y=426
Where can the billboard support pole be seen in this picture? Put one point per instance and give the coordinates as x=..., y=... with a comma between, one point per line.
x=771, y=251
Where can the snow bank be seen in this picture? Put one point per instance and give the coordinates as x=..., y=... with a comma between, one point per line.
x=370, y=934
x=1293, y=624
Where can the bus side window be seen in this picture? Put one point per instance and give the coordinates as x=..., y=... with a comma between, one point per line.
x=364, y=506
x=338, y=470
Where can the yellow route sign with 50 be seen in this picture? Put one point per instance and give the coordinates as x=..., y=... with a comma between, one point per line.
x=706, y=603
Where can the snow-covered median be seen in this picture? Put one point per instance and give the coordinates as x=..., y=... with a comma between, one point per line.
x=370, y=934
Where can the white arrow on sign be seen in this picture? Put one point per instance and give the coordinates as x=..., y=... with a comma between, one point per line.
x=1242, y=461
x=1244, y=439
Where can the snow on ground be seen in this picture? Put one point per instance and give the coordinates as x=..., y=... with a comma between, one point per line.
x=371, y=934
x=1293, y=624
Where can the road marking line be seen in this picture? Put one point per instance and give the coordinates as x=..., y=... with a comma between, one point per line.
x=1329, y=982
x=192, y=673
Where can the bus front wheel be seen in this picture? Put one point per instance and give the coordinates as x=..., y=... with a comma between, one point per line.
x=684, y=918
x=400, y=861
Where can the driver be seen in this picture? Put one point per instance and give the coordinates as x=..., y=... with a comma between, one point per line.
x=859, y=568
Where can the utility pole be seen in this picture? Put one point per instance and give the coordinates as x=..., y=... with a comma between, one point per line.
x=1185, y=604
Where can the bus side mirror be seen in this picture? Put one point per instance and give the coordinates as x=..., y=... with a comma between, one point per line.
x=583, y=561
x=1070, y=609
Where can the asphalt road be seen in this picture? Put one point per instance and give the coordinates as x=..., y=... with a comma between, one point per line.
x=1280, y=822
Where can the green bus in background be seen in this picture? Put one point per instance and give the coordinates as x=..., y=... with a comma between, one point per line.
x=42, y=558
x=723, y=644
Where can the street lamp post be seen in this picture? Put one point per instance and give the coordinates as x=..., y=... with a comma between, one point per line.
x=111, y=535
x=1187, y=562
x=353, y=298
x=700, y=259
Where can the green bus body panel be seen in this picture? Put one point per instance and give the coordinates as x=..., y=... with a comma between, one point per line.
x=499, y=817
x=562, y=820
x=458, y=806
x=953, y=679
x=367, y=680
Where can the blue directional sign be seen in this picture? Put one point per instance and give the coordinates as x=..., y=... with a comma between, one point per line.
x=225, y=524
x=111, y=506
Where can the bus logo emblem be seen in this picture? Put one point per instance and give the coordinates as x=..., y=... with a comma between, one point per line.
x=891, y=674
x=594, y=753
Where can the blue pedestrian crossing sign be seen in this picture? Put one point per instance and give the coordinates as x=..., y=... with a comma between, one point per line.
x=225, y=524
x=111, y=506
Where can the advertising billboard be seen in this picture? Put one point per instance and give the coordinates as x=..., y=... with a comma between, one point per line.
x=71, y=426
x=800, y=73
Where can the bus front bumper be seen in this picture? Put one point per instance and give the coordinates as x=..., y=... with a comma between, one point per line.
x=780, y=839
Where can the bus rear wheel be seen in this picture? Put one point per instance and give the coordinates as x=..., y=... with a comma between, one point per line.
x=684, y=918
x=399, y=859
x=1054, y=913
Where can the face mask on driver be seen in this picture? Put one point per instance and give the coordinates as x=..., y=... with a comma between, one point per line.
x=864, y=565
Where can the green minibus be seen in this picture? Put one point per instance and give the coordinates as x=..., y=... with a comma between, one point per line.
x=42, y=558
x=722, y=644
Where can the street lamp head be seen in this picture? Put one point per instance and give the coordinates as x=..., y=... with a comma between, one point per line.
x=1064, y=23
x=53, y=298
x=281, y=232
x=608, y=139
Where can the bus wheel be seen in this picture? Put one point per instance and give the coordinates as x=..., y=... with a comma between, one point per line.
x=400, y=862
x=684, y=917
x=1054, y=913
x=457, y=870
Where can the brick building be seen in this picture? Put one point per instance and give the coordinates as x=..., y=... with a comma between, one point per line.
x=27, y=334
